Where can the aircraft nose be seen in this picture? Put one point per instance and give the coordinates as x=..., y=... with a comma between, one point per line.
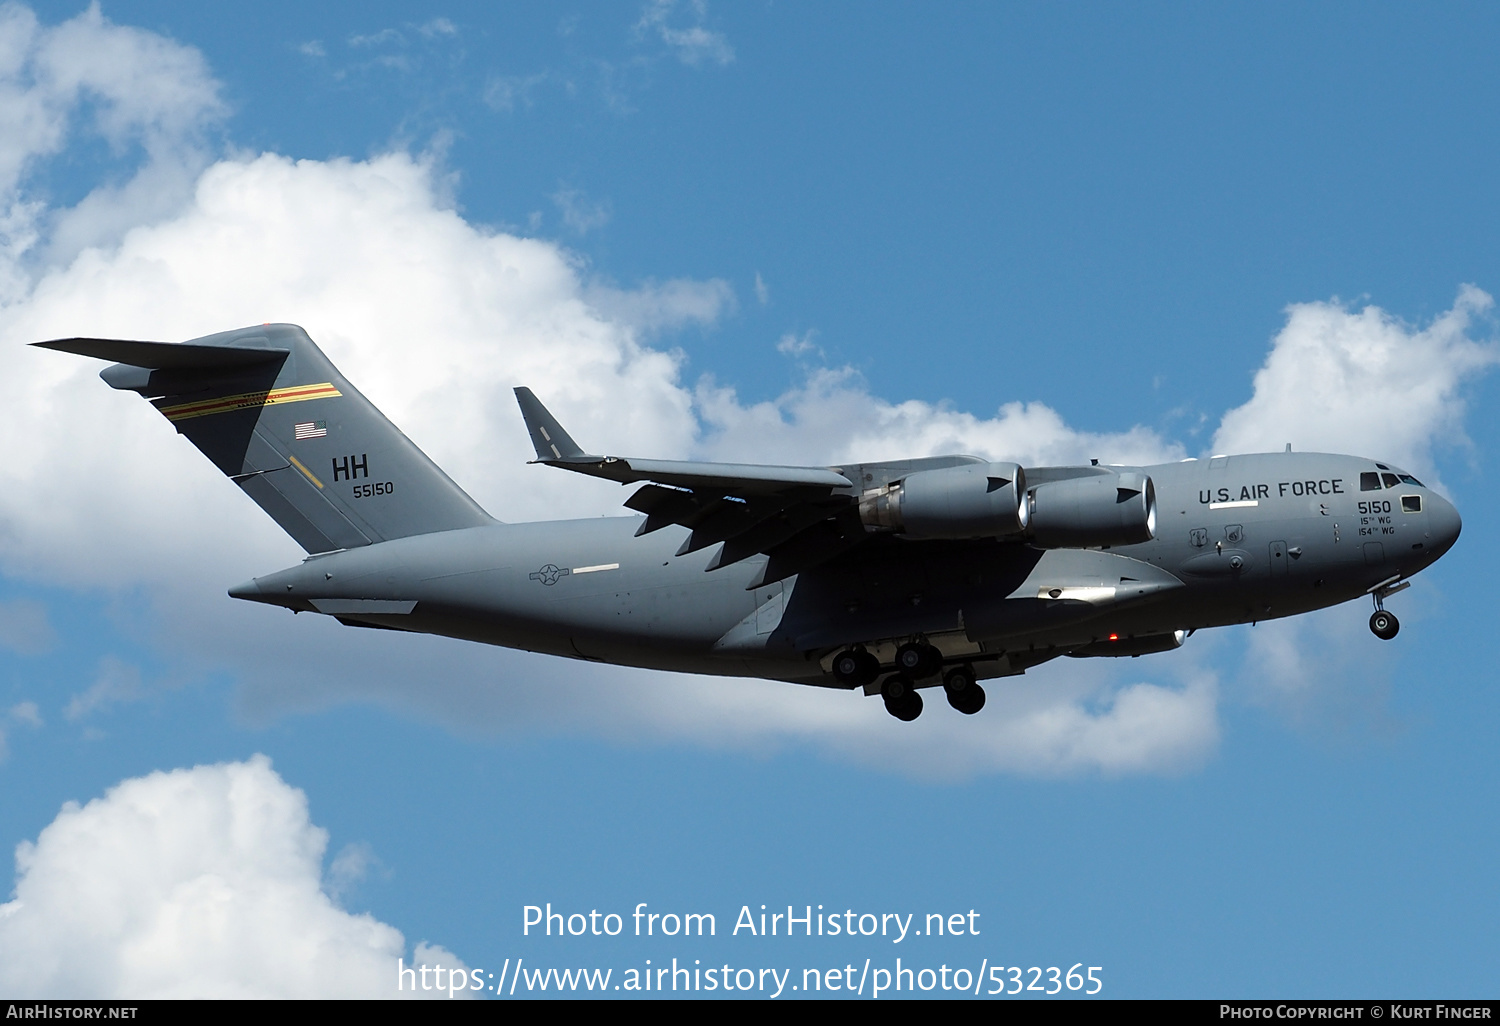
x=1443, y=524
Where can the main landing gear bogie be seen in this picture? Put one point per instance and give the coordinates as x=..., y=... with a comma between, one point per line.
x=904, y=701
x=915, y=661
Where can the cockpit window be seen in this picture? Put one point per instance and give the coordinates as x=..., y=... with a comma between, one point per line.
x=1369, y=481
x=1391, y=480
x=1411, y=504
x=1408, y=479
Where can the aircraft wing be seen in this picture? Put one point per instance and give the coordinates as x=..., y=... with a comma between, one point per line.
x=799, y=516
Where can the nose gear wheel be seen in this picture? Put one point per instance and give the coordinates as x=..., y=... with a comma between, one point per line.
x=1384, y=625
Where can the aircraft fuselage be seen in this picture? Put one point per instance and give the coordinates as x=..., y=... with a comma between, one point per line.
x=1237, y=539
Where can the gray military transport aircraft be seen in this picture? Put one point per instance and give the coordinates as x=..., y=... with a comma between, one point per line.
x=888, y=577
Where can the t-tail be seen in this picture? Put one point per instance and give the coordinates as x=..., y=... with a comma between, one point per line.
x=270, y=410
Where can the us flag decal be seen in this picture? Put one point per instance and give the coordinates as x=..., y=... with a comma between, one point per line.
x=311, y=429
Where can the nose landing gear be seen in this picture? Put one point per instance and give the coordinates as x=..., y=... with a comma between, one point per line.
x=1383, y=624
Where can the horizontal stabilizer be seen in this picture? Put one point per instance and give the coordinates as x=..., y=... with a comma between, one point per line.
x=164, y=355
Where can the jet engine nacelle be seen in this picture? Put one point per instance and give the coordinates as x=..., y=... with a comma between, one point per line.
x=1116, y=508
x=975, y=500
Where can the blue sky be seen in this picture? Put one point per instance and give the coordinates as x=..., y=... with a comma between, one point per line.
x=771, y=232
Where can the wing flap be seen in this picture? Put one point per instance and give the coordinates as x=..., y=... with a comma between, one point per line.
x=663, y=506
x=811, y=546
x=770, y=533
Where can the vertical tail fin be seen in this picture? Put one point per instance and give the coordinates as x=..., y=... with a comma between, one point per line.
x=270, y=410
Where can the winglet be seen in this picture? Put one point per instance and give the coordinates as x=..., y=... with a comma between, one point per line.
x=547, y=435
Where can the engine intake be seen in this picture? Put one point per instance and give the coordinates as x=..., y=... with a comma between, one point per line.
x=976, y=500
x=1115, y=508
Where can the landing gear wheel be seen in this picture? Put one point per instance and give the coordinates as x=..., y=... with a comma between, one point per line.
x=918, y=660
x=854, y=668
x=1384, y=625
x=901, y=698
x=964, y=693
x=970, y=702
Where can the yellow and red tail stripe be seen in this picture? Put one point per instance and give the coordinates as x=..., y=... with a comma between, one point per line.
x=249, y=401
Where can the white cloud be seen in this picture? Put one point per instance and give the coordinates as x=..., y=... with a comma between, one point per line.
x=655, y=307
x=438, y=27
x=696, y=44
x=116, y=683
x=833, y=418
x=27, y=713
x=194, y=883
x=1363, y=382
x=142, y=90
x=792, y=344
x=387, y=35
x=349, y=868
x=762, y=291
x=146, y=88
x=505, y=92
x=579, y=212
x=693, y=44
